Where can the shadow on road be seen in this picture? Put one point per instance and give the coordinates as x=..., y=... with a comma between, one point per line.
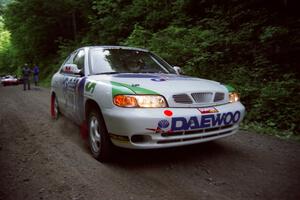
x=139, y=158
x=132, y=158
x=186, y=154
x=36, y=89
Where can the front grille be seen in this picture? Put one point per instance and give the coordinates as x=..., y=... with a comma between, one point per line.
x=199, y=98
x=219, y=96
x=202, y=97
x=182, y=98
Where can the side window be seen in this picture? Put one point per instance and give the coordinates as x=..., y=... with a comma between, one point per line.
x=69, y=60
x=79, y=59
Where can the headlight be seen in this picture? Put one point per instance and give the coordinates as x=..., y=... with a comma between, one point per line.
x=233, y=97
x=143, y=101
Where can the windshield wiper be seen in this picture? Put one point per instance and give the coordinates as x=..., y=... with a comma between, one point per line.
x=147, y=72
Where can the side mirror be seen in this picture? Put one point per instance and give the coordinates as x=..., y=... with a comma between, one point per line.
x=72, y=69
x=177, y=69
x=79, y=73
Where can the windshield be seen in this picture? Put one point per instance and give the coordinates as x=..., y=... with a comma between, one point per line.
x=108, y=61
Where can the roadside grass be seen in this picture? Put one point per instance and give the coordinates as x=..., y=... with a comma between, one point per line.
x=263, y=129
x=46, y=82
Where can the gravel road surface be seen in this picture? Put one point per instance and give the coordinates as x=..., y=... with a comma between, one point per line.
x=45, y=159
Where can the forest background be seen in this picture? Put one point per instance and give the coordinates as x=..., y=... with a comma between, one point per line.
x=253, y=45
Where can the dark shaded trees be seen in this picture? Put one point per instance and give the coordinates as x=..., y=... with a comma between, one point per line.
x=37, y=26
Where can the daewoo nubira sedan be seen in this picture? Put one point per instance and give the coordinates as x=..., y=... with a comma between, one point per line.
x=131, y=98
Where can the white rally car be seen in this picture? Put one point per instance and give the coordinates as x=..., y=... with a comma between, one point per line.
x=132, y=98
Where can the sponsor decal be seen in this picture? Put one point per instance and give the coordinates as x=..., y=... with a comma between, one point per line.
x=204, y=121
x=80, y=98
x=196, y=122
x=158, y=79
x=68, y=90
x=163, y=123
x=90, y=87
x=73, y=88
x=80, y=86
x=168, y=113
x=69, y=83
x=67, y=69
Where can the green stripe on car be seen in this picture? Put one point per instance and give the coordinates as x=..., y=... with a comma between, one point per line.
x=229, y=88
x=118, y=88
x=123, y=88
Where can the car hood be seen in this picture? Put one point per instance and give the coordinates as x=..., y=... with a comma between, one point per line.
x=166, y=85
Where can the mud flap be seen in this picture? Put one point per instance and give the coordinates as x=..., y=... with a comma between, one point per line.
x=84, y=130
x=52, y=111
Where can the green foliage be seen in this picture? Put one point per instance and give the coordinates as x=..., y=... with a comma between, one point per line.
x=3, y=4
x=37, y=25
x=270, y=32
x=6, y=49
x=139, y=37
x=252, y=58
x=277, y=104
x=262, y=128
x=4, y=37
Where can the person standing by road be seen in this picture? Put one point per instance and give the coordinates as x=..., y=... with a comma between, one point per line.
x=36, y=74
x=26, y=76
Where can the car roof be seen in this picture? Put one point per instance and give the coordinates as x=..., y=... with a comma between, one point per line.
x=117, y=47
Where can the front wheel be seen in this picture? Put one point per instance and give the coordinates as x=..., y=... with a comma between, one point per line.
x=99, y=142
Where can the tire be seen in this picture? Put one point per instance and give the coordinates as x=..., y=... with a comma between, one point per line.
x=100, y=144
x=54, y=108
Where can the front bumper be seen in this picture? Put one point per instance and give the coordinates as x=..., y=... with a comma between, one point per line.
x=149, y=128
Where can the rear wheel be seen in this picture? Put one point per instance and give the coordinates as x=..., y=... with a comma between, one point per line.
x=99, y=141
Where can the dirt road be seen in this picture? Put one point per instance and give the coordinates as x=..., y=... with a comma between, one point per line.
x=45, y=159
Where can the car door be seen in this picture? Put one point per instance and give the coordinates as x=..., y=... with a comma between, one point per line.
x=61, y=84
x=69, y=82
x=70, y=95
x=77, y=92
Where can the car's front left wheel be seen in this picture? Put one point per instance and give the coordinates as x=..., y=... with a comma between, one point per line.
x=99, y=141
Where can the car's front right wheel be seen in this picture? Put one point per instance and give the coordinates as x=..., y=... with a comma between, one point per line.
x=99, y=141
